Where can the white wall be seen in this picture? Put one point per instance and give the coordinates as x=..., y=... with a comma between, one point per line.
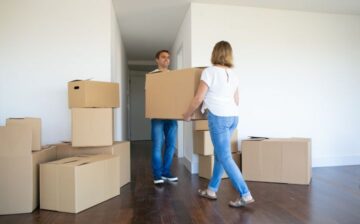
x=184, y=41
x=44, y=44
x=119, y=73
x=299, y=72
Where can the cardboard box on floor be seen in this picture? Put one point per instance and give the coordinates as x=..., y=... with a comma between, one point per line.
x=168, y=94
x=206, y=165
x=203, y=145
x=77, y=183
x=92, y=126
x=201, y=125
x=121, y=149
x=86, y=93
x=19, y=177
x=285, y=160
x=34, y=124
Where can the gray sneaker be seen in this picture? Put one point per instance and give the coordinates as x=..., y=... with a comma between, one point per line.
x=169, y=178
x=158, y=181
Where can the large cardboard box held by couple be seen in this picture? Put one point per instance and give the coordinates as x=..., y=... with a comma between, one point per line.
x=201, y=125
x=87, y=93
x=169, y=94
x=286, y=160
x=19, y=170
x=92, y=126
x=206, y=165
x=77, y=183
x=203, y=144
x=121, y=149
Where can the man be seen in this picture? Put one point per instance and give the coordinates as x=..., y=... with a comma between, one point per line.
x=163, y=131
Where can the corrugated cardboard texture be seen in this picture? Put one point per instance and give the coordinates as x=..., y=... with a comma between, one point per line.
x=168, y=94
x=15, y=140
x=122, y=149
x=201, y=125
x=206, y=165
x=77, y=183
x=34, y=124
x=277, y=160
x=19, y=177
x=92, y=127
x=203, y=144
x=93, y=94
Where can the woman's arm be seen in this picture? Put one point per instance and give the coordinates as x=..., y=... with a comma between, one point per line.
x=236, y=96
x=197, y=100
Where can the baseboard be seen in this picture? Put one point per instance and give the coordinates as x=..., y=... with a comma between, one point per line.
x=336, y=161
x=192, y=167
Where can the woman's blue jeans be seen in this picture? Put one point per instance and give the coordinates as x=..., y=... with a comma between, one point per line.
x=163, y=130
x=221, y=128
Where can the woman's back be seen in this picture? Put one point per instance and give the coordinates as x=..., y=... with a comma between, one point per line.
x=222, y=83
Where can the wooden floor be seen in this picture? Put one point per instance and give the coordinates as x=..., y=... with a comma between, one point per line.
x=332, y=197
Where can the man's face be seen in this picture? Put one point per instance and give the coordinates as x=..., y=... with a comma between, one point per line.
x=164, y=60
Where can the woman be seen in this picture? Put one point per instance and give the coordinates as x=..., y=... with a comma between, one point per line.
x=218, y=89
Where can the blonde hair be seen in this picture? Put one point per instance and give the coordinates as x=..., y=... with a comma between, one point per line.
x=222, y=54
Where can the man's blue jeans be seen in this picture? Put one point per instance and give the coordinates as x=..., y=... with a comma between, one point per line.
x=163, y=130
x=221, y=128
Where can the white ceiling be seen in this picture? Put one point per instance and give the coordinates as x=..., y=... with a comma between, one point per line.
x=149, y=25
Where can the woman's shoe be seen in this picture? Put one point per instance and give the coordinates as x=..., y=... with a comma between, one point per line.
x=204, y=193
x=243, y=201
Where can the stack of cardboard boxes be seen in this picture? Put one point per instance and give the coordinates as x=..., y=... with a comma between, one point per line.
x=92, y=168
x=20, y=156
x=204, y=148
x=91, y=104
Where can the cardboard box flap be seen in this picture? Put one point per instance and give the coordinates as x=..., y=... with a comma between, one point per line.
x=158, y=71
x=256, y=138
x=82, y=160
x=78, y=80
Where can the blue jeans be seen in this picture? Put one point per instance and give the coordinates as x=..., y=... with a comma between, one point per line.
x=221, y=128
x=163, y=130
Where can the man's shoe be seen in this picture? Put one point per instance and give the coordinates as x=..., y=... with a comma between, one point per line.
x=158, y=181
x=169, y=178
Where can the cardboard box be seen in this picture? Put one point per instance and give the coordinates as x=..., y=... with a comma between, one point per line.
x=15, y=140
x=34, y=124
x=277, y=160
x=92, y=127
x=19, y=178
x=206, y=165
x=203, y=144
x=169, y=94
x=86, y=93
x=201, y=125
x=77, y=183
x=122, y=149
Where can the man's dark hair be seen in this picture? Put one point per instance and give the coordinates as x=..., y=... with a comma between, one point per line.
x=159, y=52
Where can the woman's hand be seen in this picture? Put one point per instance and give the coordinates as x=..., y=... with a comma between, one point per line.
x=186, y=117
x=197, y=100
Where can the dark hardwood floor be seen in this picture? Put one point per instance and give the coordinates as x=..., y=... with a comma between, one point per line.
x=332, y=197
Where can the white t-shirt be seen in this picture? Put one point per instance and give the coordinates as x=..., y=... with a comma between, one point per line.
x=222, y=85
